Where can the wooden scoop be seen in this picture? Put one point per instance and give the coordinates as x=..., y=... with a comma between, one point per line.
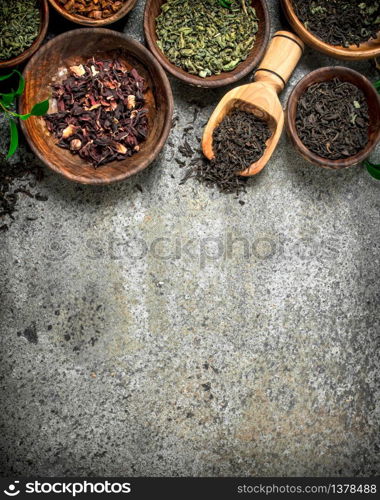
x=260, y=97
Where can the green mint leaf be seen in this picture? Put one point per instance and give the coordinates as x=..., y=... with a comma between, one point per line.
x=22, y=117
x=373, y=170
x=40, y=109
x=21, y=86
x=5, y=77
x=14, y=138
x=7, y=99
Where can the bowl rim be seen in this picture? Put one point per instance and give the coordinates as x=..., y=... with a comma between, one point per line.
x=291, y=109
x=210, y=81
x=85, y=21
x=338, y=51
x=165, y=129
x=44, y=24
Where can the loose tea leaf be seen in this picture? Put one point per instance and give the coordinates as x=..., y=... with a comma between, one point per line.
x=332, y=119
x=340, y=22
x=16, y=179
x=238, y=141
x=94, y=9
x=101, y=114
x=205, y=37
x=19, y=27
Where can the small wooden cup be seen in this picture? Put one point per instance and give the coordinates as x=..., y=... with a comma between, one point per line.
x=50, y=65
x=326, y=74
x=86, y=21
x=366, y=50
x=44, y=12
x=153, y=9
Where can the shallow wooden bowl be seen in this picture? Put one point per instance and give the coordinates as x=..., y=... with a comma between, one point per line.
x=44, y=10
x=50, y=65
x=153, y=9
x=86, y=21
x=322, y=75
x=367, y=50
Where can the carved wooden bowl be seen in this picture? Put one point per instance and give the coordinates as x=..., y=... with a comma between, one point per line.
x=153, y=9
x=50, y=65
x=366, y=50
x=44, y=11
x=86, y=21
x=326, y=74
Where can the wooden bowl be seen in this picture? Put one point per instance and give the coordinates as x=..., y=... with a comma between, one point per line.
x=366, y=50
x=50, y=65
x=86, y=21
x=347, y=75
x=153, y=9
x=44, y=10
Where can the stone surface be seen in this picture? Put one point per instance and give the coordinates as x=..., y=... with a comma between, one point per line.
x=175, y=331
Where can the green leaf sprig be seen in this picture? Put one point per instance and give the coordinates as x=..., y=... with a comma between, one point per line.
x=6, y=104
x=372, y=168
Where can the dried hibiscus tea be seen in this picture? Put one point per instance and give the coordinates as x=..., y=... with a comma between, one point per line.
x=101, y=111
x=94, y=9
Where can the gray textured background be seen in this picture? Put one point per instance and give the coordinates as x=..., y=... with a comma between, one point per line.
x=123, y=354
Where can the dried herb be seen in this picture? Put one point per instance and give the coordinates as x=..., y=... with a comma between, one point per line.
x=238, y=141
x=205, y=37
x=94, y=9
x=101, y=114
x=340, y=22
x=7, y=101
x=332, y=119
x=20, y=26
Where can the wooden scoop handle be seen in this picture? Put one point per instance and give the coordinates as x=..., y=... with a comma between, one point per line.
x=282, y=56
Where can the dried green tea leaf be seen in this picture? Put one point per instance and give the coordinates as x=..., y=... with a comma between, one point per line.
x=206, y=37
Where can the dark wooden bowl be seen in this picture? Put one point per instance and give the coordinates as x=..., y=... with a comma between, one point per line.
x=153, y=9
x=86, y=21
x=367, y=50
x=322, y=75
x=50, y=65
x=44, y=10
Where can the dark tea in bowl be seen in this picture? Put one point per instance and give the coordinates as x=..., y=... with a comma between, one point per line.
x=333, y=117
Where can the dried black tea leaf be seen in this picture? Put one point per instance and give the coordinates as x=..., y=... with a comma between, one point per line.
x=238, y=141
x=332, y=119
x=340, y=22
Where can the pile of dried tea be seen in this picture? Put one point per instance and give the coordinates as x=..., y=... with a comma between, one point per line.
x=205, y=38
x=238, y=141
x=101, y=114
x=19, y=27
x=332, y=119
x=340, y=22
x=17, y=179
x=94, y=9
